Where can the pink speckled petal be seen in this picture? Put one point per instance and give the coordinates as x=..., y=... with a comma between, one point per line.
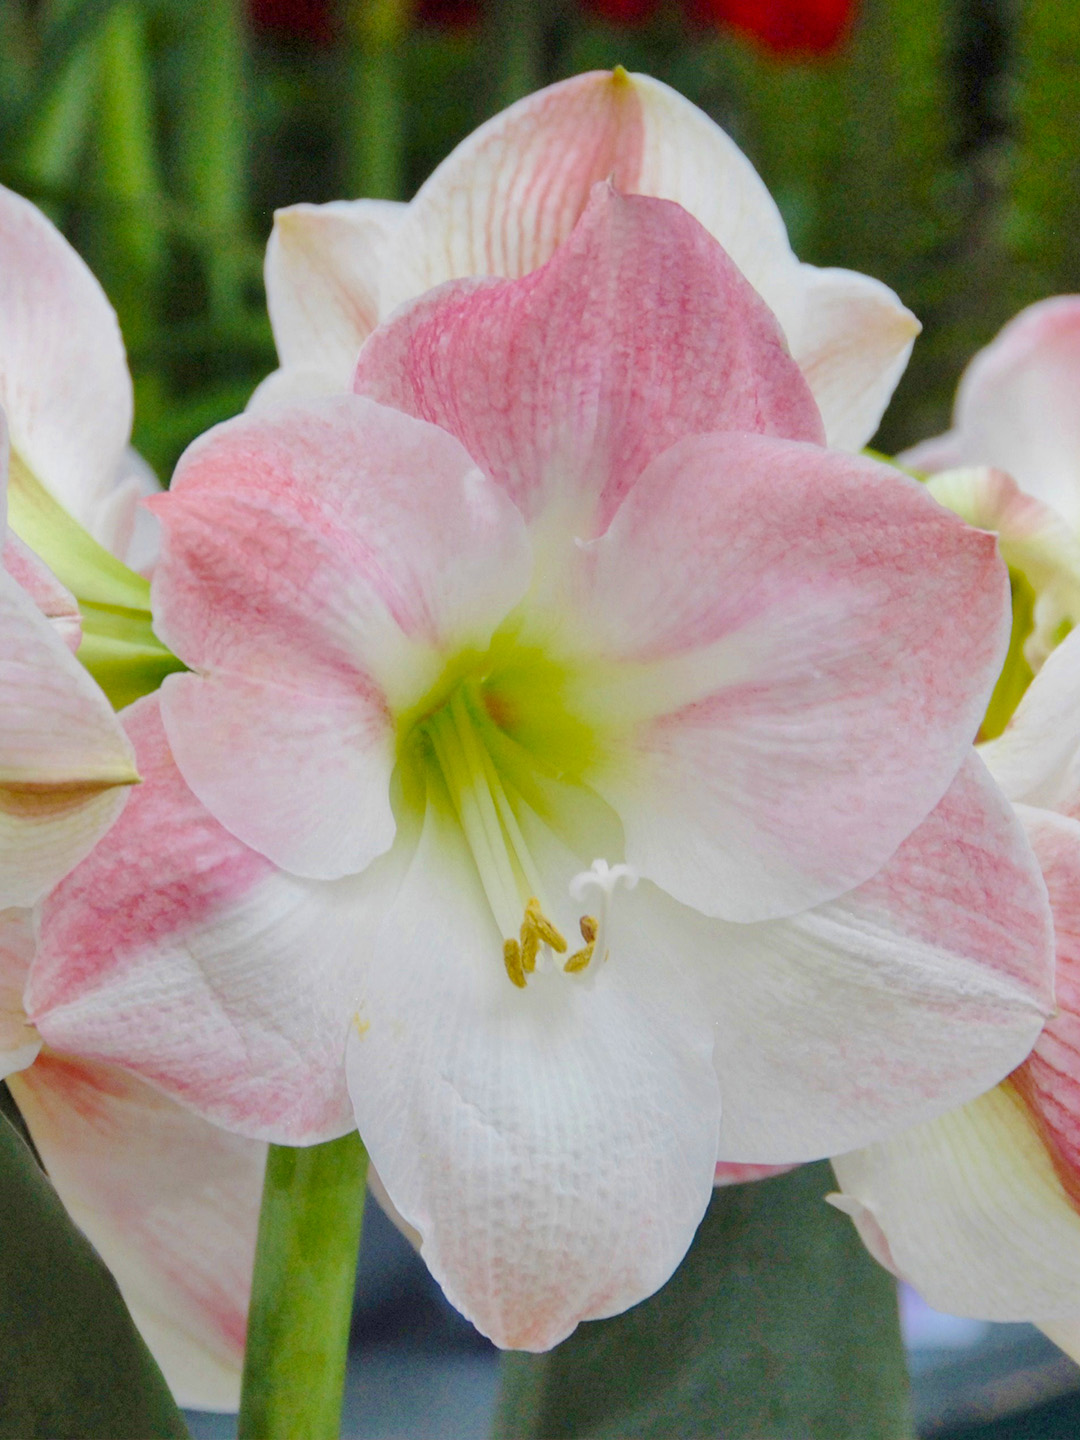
x=55, y=601
x=179, y=953
x=556, y=387
x=171, y=1204
x=318, y=564
x=791, y=649
x=913, y=993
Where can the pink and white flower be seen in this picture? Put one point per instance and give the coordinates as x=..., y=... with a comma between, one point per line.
x=1016, y=411
x=554, y=585
x=980, y=1208
x=64, y=385
x=510, y=194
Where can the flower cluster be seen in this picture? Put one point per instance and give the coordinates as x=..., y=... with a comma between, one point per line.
x=561, y=766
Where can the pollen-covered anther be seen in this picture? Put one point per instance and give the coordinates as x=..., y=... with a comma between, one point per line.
x=512, y=961
x=541, y=926
x=580, y=958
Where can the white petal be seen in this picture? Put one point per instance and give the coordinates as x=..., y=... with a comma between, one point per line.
x=170, y=1202
x=1037, y=759
x=553, y=1146
x=19, y=1042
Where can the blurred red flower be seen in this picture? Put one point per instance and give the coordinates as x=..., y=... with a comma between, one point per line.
x=300, y=19
x=808, y=27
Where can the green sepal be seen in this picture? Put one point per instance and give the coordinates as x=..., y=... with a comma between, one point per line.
x=777, y=1326
x=73, y=1363
x=119, y=647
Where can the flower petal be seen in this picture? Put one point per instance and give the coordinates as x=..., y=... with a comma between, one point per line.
x=853, y=344
x=1036, y=761
x=63, y=375
x=557, y=389
x=65, y=765
x=171, y=1204
x=822, y=638
x=323, y=267
x=973, y=1213
x=1016, y=404
x=318, y=563
x=554, y=1146
x=55, y=601
x=19, y=1042
x=913, y=993
x=179, y=953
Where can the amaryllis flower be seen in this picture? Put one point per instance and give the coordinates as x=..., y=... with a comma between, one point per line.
x=65, y=387
x=980, y=1209
x=65, y=763
x=170, y=1202
x=575, y=760
x=1016, y=411
x=503, y=201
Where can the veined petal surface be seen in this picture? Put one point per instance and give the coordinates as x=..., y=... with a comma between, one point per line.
x=55, y=601
x=554, y=1148
x=555, y=387
x=169, y=1201
x=190, y=959
x=912, y=993
x=19, y=1042
x=318, y=563
x=794, y=647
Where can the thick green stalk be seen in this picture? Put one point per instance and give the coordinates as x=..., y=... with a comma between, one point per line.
x=212, y=140
x=376, y=160
x=777, y=1326
x=301, y=1297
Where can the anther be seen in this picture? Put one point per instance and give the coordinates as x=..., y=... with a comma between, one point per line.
x=579, y=960
x=588, y=925
x=530, y=944
x=537, y=921
x=512, y=961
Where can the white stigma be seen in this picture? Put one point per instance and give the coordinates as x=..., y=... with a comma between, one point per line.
x=602, y=880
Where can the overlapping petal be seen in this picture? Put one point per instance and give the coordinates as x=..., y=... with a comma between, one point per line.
x=1036, y=761
x=170, y=1202
x=55, y=601
x=556, y=1155
x=794, y=673
x=63, y=374
x=557, y=389
x=19, y=1041
x=318, y=564
x=912, y=993
x=199, y=966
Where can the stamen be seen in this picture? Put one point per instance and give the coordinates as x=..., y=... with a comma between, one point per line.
x=580, y=958
x=545, y=930
x=512, y=961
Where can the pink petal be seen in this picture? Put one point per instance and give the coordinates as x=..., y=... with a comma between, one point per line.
x=63, y=376
x=171, y=1204
x=318, y=564
x=65, y=764
x=911, y=994
x=55, y=601
x=729, y=1173
x=179, y=953
x=796, y=647
x=556, y=387
x=19, y=1042
x=554, y=1147
x=323, y=264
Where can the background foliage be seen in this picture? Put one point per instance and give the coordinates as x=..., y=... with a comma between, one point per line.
x=937, y=146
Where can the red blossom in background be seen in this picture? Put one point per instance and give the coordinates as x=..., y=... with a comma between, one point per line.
x=297, y=19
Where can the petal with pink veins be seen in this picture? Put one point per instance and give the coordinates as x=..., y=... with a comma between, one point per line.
x=170, y=1202
x=553, y=1148
x=794, y=674
x=55, y=601
x=318, y=564
x=909, y=995
x=557, y=389
x=190, y=959
x=65, y=764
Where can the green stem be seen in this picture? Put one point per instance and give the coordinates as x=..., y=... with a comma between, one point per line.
x=302, y=1289
x=376, y=162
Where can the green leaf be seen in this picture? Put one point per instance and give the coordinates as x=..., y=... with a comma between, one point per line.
x=777, y=1326
x=74, y=1365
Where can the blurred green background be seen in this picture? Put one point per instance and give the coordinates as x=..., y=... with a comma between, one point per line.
x=935, y=145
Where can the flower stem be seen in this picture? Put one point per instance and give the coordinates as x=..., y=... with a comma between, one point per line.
x=302, y=1289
